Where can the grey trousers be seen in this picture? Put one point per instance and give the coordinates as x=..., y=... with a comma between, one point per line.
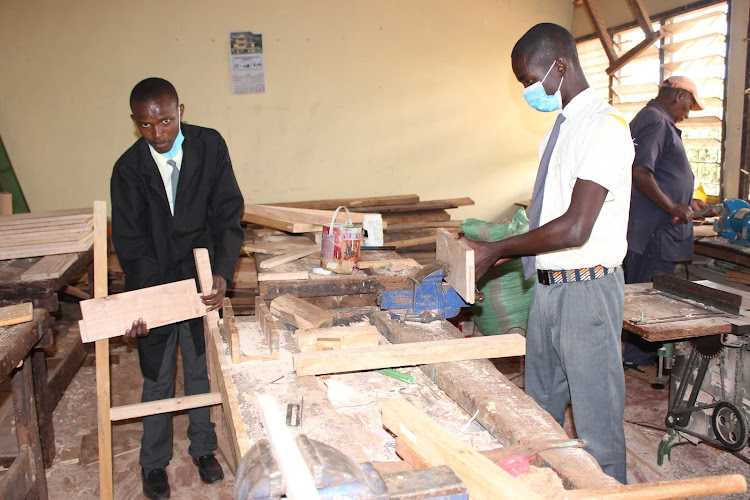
x=573, y=356
x=156, y=444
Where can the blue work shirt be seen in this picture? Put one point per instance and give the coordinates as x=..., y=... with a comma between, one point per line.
x=658, y=146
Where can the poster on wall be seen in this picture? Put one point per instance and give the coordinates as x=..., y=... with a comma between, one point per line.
x=246, y=61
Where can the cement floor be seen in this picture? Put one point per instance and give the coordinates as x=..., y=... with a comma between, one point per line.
x=74, y=473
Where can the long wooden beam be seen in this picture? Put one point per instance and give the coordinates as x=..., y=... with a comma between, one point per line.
x=417, y=353
x=504, y=410
x=484, y=479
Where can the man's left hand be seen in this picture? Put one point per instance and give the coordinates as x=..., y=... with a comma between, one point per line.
x=218, y=290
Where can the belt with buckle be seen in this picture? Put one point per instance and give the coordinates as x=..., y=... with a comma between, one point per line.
x=554, y=276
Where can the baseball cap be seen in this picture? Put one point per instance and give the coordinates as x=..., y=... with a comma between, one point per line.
x=684, y=83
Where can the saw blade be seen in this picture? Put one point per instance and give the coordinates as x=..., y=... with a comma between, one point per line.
x=708, y=347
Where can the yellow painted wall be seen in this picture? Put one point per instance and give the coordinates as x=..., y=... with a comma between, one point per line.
x=363, y=98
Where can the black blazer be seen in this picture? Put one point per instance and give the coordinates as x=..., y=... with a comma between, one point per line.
x=155, y=247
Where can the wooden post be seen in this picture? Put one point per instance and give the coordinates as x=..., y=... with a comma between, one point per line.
x=27, y=430
x=103, y=395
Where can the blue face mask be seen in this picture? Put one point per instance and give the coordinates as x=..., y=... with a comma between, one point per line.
x=538, y=99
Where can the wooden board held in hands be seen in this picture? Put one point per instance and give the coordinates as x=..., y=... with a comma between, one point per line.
x=415, y=353
x=460, y=257
x=160, y=305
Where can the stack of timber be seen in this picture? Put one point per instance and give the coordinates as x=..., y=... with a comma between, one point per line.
x=409, y=224
x=46, y=233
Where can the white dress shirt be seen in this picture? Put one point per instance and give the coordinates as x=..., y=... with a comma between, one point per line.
x=594, y=145
x=166, y=171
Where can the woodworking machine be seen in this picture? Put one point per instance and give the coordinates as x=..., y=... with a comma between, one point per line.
x=425, y=298
x=734, y=221
x=338, y=477
x=710, y=377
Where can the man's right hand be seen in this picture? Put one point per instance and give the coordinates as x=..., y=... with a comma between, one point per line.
x=139, y=329
x=681, y=214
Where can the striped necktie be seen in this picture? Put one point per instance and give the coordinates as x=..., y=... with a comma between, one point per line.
x=535, y=209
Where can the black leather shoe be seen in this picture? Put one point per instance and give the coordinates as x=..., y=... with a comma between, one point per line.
x=209, y=469
x=155, y=485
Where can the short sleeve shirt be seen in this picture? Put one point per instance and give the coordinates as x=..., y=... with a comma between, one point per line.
x=594, y=145
x=658, y=147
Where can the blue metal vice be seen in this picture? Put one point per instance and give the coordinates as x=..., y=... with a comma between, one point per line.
x=426, y=299
x=734, y=222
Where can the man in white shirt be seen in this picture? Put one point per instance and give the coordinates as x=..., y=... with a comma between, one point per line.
x=578, y=233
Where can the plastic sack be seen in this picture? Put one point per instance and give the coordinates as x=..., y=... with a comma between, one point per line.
x=507, y=293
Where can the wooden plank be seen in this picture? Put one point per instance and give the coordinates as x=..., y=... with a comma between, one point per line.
x=723, y=249
x=374, y=201
x=288, y=276
x=394, y=264
x=483, y=478
x=680, y=488
x=351, y=336
x=420, y=216
x=724, y=301
x=73, y=227
x=409, y=226
x=305, y=215
x=158, y=306
x=19, y=313
x=299, y=313
x=138, y=410
x=49, y=267
x=300, y=484
x=220, y=371
x=504, y=409
x=277, y=248
x=55, y=216
x=460, y=257
x=103, y=389
x=420, y=206
x=43, y=237
x=290, y=256
x=281, y=224
x=417, y=353
x=21, y=251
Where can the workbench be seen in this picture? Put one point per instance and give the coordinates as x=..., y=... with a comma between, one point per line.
x=723, y=249
x=17, y=343
x=334, y=290
x=343, y=410
x=17, y=286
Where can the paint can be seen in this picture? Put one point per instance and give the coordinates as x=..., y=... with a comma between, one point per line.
x=340, y=248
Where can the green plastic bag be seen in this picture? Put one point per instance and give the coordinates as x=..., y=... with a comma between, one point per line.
x=507, y=293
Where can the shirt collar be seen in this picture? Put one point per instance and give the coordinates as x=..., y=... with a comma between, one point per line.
x=654, y=104
x=579, y=103
x=161, y=160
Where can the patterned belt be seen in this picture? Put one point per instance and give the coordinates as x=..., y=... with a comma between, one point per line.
x=554, y=276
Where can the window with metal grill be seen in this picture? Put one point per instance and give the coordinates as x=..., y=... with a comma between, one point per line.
x=694, y=45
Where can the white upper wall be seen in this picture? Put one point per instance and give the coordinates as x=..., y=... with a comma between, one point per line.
x=363, y=98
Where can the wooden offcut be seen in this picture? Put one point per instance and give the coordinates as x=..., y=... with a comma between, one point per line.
x=285, y=276
x=16, y=314
x=157, y=305
x=266, y=329
x=460, y=258
x=482, y=477
x=347, y=337
x=417, y=353
x=289, y=256
x=300, y=313
x=281, y=224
